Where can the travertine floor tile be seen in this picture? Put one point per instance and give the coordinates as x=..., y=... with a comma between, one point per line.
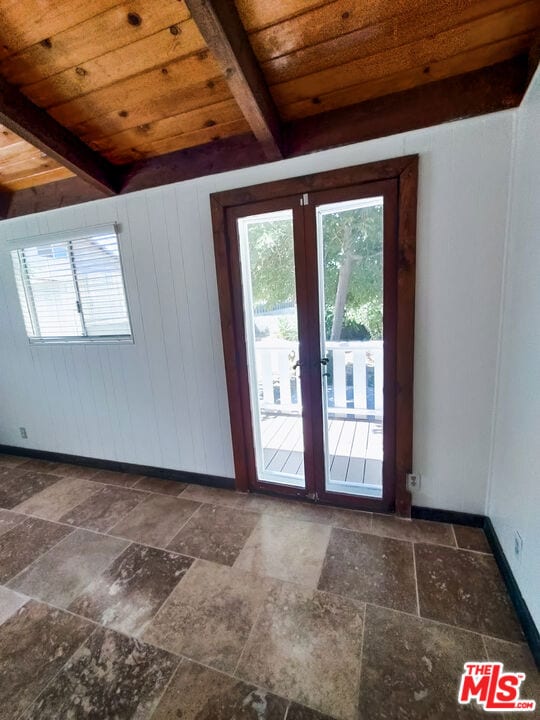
x=306, y=646
x=156, y=520
x=471, y=538
x=209, y=615
x=81, y=472
x=106, y=507
x=37, y=465
x=8, y=520
x=370, y=568
x=216, y=533
x=58, y=576
x=269, y=620
x=352, y=520
x=110, y=676
x=411, y=667
x=198, y=693
x=415, y=530
x=212, y=495
x=301, y=712
x=35, y=643
x=12, y=460
x=113, y=477
x=52, y=502
x=465, y=589
x=16, y=486
x=517, y=658
x=286, y=549
x=24, y=543
x=160, y=485
x=291, y=509
x=127, y=595
x=10, y=602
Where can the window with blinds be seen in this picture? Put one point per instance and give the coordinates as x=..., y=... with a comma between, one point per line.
x=71, y=287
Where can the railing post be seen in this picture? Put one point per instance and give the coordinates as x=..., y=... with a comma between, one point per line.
x=267, y=376
x=379, y=378
x=339, y=379
x=284, y=377
x=359, y=378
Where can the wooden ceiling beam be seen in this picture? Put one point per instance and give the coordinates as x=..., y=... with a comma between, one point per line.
x=37, y=127
x=61, y=193
x=223, y=32
x=190, y=163
x=534, y=56
x=5, y=202
x=493, y=88
x=490, y=89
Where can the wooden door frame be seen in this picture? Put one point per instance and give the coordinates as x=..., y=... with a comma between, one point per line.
x=405, y=171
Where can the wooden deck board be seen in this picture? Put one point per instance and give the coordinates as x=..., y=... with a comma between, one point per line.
x=355, y=448
x=340, y=460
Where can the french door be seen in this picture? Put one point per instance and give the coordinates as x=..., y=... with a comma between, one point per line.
x=308, y=296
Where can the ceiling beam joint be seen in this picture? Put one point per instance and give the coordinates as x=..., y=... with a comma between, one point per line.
x=37, y=127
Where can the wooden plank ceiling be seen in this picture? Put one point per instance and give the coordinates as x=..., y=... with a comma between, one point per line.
x=23, y=166
x=137, y=79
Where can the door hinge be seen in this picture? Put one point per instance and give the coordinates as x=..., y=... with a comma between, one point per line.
x=304, y=200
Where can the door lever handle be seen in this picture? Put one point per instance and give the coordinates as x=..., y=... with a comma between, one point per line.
x=325, y=361
x=297, y=364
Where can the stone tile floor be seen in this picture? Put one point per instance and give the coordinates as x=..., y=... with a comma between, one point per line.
x=124, y=596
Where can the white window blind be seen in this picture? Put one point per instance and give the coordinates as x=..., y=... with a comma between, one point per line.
x=71, y=287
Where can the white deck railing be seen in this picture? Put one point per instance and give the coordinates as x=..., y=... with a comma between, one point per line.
x=275, y=362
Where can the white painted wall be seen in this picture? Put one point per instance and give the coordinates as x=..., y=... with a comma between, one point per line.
x=163, y=400
x=514, y=496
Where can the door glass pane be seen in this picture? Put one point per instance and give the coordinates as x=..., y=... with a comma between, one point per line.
x=350, y=244
x=271, y=323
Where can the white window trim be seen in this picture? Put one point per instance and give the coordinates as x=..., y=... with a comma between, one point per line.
x=83, y=340
x=85, y=233
x=62, y=236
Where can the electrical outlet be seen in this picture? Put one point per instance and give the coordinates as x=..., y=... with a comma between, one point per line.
x=413, y=482
x=518, y=544
x=23, y=432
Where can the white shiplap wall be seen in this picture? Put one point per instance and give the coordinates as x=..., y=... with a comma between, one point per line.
x=514, y=497
x=154, y=402
x=163, y=400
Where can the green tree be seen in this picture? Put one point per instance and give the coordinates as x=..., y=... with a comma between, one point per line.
x=352, y=249
x=271, y=256
x=352, y=243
